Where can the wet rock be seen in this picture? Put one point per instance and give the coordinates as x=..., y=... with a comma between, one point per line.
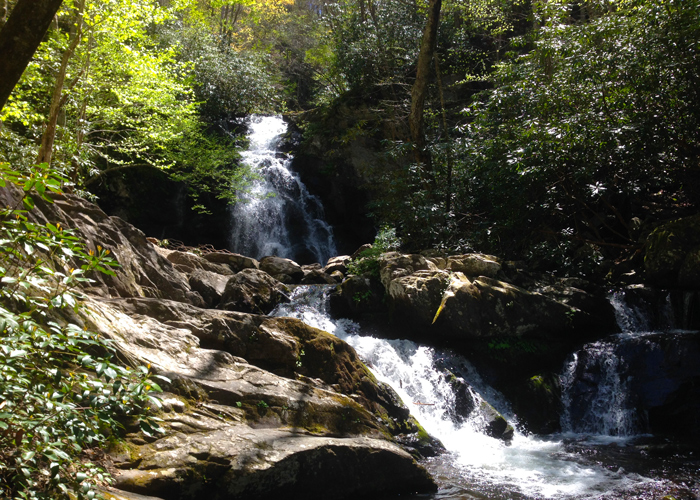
x=494, y=424
x=538, y=403
x=357, y=296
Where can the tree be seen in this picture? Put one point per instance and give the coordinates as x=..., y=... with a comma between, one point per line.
x=420, y=86
x=589, y=135
x=20, y=36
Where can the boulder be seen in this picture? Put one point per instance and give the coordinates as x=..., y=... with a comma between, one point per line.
x=236, y=262
x=317, y=277
x=188, y=262
x=486, y=307
x=394, y=265
x=209, y=285
x=277, y=266
x=672, y=257
x=253, y=290
x=493, y=424
x=252, y=433
x=537, y=402
x=473, y=264
x=257, y=463
x=357, y=296
x=338, y=263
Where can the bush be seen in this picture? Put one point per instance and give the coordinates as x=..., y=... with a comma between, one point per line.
x=367, y=261
x=61, y=390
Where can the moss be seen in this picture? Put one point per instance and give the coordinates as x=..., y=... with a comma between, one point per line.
x=423, y=436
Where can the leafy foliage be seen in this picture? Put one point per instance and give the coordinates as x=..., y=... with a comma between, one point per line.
x=366, y=262
x=61, y=390
x=588, y=132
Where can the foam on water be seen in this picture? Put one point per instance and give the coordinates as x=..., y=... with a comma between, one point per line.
x=529, y=467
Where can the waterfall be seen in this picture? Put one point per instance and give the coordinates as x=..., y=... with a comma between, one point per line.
x=612, y=387
x=278, y=216
x=476, y=465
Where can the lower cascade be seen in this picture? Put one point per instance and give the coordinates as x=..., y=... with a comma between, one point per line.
x=279, y=216
x=597, y=456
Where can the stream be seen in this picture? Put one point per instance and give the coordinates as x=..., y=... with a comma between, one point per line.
x=604, y=454
x=605, y=449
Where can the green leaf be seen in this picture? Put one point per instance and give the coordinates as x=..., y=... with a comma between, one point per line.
x=28, y=202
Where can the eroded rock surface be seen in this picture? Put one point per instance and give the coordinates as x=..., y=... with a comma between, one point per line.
x=256, y=406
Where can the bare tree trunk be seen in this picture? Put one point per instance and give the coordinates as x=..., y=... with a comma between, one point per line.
x=20, y=36
x=420, y=87
x=58, y=98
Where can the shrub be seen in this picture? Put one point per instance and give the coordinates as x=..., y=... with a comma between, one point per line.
x=61, y=391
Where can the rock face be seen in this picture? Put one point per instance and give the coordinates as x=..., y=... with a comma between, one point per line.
x=255, y=406
x=465, y=297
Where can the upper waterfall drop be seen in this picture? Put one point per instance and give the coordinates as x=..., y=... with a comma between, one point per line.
x=278, y=216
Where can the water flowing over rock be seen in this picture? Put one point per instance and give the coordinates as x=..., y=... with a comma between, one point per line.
x=279, y=217
x=256, y=406
x=636, y=382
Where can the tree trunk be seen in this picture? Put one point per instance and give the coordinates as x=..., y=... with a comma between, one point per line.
x=58, y=98
x=420, y=87
x=20, y=36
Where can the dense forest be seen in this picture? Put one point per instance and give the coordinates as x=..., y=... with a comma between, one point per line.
x=558, y=132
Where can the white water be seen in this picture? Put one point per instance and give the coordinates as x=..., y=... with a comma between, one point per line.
x=279, y=217
x=529, y=467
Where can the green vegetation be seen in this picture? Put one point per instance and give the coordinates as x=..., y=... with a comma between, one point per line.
x=128, y=84
x=556, y=131
x=560, y=132
x=366, y=261
x=61, y=389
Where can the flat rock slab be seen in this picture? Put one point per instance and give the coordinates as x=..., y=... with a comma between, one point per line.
x=239, y=462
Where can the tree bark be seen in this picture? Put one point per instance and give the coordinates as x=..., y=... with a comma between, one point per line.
x=58, y=98
x=420, y=87
x=19, y=38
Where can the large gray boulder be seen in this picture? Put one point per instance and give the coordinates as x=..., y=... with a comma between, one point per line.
x=281, y=268
x=430, y=294
x=253, y=290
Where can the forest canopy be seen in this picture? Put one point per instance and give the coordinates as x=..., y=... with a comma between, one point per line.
x=558, y=130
